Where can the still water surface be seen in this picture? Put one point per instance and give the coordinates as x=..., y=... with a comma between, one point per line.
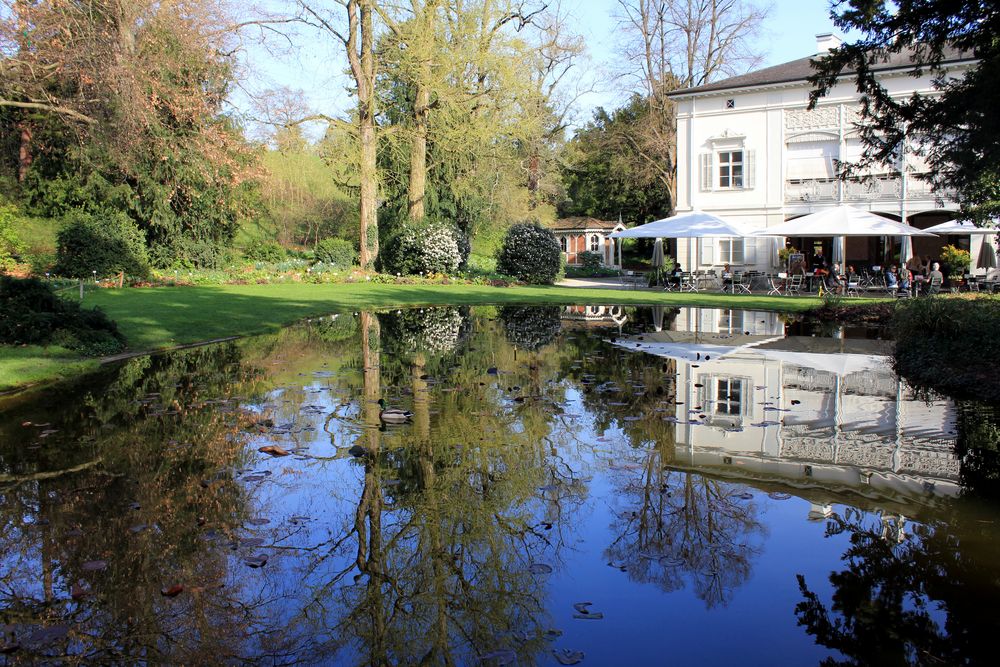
x=596, y=485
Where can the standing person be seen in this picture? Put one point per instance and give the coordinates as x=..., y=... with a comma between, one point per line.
x=818, y=260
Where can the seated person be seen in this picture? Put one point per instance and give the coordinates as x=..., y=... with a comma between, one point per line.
x=935, y=279
x=835, y=280
x=852, y=277
x=727, y=276
x=675, y=275
x=905, y=280
x=892, y=278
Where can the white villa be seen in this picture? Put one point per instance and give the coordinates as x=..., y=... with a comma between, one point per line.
x=748, y=150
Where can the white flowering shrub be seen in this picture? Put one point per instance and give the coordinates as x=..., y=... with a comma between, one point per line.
x=530, y=253
x=427, y=247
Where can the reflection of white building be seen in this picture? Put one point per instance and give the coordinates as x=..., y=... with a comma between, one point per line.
x=749, y=150
x=812, y=411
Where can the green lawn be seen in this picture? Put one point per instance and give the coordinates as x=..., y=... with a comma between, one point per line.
x=20, y=366
x=168, y=316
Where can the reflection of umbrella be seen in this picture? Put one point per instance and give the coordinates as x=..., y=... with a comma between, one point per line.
x=839, y=364
x=658, y=318
x=987, y=257
x=658, y=254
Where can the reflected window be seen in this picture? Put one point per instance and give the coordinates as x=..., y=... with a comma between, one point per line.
x=726, y=399
x=730, y=321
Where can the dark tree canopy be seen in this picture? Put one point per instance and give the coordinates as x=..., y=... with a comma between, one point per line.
x=955, y=129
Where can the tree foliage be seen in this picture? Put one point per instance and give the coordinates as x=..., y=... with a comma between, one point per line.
x=955, y=126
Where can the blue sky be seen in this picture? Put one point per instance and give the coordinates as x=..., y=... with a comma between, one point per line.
x=316, y=66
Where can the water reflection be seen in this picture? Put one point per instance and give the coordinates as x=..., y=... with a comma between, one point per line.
x=658, y=463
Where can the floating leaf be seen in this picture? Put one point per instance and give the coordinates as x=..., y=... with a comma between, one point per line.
x=503, y=656
x=78, y=592
x=273, y=450
x=94, y=565
x=172, y=591
x=259, y=521
x=777, y=495
x=255, y=561
x=590, y=616
x=540, y=568
x=567, y=657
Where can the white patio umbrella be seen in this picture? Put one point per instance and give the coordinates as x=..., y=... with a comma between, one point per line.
x=962, y=227
x=690, y=225
x=905, y=251
x=842, y=221
x=657, y=260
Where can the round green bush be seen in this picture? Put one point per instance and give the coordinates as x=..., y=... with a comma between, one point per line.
x=264, y=251
x=426, y=247
x=105, y=245
x=530, y=253
x=336, y=252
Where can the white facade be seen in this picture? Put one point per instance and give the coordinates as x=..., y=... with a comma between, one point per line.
x=755, y=155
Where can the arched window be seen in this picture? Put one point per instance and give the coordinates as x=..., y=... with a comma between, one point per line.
x=595, y=243
x=562, y=243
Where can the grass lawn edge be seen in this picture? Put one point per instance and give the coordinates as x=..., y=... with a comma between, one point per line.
x=165, y=318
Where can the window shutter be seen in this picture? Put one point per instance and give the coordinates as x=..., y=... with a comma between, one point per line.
x=707, y=251
x=749, y=170
x=750, y=251
x=706, y=171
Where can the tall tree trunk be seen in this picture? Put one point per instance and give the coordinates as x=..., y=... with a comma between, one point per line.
x=418, y=147
x=24, y=156
x=366, y=129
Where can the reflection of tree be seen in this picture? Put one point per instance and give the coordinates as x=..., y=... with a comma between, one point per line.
x=978, y=449
x=444, y=526
x=907, y=599
x=680, y=523
x=530, y=327
x=147, y=491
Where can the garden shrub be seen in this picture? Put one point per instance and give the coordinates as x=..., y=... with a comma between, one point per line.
x=105, y=245
x=31, y=313
x=429, y=246
x=336, y=252
x=268, y=252
x=10, y=244
x=590, y=261
x=954, y=261
x=530, y=253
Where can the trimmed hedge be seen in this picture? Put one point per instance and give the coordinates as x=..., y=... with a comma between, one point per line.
x=32, y=314
x=105, y=245
x=530, y=253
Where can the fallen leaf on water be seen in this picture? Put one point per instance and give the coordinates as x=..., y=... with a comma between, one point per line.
x=255, y=561
x=273, y=450
x=540, y=568
x=138, y=528
x=503, y=656
x=78, y=592
x=94, y=565
x=567, y=657
x=173, y=591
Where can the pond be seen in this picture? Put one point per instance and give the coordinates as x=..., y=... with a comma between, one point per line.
x=592, y=485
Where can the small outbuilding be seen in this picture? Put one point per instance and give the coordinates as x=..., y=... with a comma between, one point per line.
x=583, y=234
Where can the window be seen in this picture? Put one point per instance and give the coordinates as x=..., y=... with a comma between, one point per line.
x=731, y=251
x=562, y=243
x=730, y=169
x=730, y=104
x=595, y=243
x=726, y=399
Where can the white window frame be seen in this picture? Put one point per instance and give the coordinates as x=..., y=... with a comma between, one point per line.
x=726, y=177
x=717, y=398
x=732, y=251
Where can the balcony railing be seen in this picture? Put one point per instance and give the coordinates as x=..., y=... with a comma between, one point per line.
x=885, y=187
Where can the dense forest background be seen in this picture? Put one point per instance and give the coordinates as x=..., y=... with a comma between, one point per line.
x=120, y=115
